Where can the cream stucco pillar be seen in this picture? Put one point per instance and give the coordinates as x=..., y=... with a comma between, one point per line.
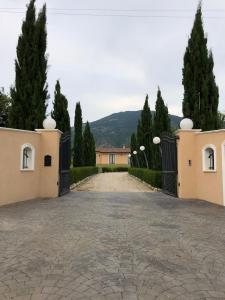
x=186, y=159
x=49, y=175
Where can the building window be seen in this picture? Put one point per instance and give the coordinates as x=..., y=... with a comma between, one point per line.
x=27, y=157
x=209, y=158
x=112, y=159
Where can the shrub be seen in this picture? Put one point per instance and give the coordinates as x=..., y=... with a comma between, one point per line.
x=79, y=173
x=114, y=169
x=152, y=177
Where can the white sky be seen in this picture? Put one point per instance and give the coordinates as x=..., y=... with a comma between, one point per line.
x=110, y=63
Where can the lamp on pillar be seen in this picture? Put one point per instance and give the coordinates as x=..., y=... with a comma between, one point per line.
x=186, y=124
x=49, y=123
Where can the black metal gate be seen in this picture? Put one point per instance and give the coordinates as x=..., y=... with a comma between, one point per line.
x=169, y=164
x=64, y=164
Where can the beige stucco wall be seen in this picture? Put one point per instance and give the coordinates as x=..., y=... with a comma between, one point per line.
x=19, y=185
x=49, y=176
x=193, y=181
x=103, y=158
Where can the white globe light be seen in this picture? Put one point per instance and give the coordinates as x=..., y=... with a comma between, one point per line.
x=129, y=155
x=135, y=152
x=49, y=123
x=186, y=124
x=156, y=140
x=142, y=148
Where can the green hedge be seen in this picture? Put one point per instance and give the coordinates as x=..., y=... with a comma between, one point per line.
x=79, y=173
x=154, y=178
x=114, y=169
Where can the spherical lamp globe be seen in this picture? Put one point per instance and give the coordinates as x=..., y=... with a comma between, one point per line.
x=129, y=155
x=142, y=148
x=134, y=152
x=186, y=124
x=49, y=123
x=156, y=140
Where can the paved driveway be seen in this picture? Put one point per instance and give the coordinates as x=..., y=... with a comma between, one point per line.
x=113, y=182
x=112, y=246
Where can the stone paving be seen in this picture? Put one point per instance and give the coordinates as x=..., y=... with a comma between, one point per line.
x=113, y=182
x=111, y=246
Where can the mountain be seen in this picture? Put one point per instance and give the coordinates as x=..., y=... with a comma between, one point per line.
x=115, y=130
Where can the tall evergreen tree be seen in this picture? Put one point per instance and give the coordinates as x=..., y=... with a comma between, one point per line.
x=161, y=118
x=161, y=124
x=89, y=147
x=78, y=138
x=5, y=105
x=133, y=147
x=41, y=90
x=140, y=142
x=29, y=95
x=93, y=152
x=144, y=134
x=60, y=110
x=201, y=96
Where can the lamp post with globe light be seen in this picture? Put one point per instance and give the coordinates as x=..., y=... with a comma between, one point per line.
x=130, y=160
x=157, y=141
x=142, y=148
x=135, y=154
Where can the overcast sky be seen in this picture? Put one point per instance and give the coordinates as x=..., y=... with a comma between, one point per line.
x=110, y=63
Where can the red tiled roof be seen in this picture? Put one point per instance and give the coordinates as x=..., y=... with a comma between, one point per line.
x=113, y=150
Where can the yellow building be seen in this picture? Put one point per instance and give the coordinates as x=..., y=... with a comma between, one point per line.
x=112, y=156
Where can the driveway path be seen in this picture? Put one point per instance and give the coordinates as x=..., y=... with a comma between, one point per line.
x=113, y=182
x=112, y=246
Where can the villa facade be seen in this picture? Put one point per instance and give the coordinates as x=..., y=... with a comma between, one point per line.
x=112, y=156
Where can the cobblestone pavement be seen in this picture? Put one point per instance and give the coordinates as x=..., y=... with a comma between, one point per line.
x=109, y=246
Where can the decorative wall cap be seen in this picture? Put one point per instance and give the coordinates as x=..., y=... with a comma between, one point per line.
x=49, y=130
x=212, y=131
x=17, y=130
x=188, y=130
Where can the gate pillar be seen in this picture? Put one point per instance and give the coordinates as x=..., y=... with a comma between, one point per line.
x=49, y=162
x=186, y=159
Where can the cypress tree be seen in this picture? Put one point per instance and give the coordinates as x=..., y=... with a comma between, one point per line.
x=89, y=147
x=140, y=142
x=93, y=151
x=144, y=135
x=161, y=124
x=161, y=118
x=29, y=95
x=5, y=105
x=60, y=110
x=201, y=94
x=133, y=147
x=41, y=90
x=78, y=138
